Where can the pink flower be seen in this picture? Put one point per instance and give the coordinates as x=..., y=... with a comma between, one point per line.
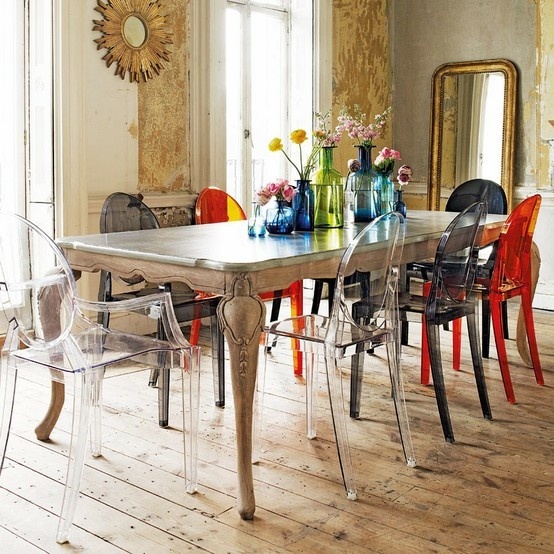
x=354, y=165
x=404, y=175
x=281, y=189
x=384, y=162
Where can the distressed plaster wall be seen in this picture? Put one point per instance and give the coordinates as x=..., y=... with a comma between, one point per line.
x=164, y=113
x=460, y=31
x=361, y=65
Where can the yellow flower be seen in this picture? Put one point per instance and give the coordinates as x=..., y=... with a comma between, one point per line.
x=275, y=145
x=298, y=136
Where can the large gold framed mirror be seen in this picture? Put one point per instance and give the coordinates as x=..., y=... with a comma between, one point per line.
x=135, y=35
x=473, y=106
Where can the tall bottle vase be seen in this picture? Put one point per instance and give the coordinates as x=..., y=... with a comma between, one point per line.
x=361, y=183
x=328, y=192
x=303, y=204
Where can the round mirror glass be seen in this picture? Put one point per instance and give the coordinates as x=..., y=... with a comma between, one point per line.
x=134, y=31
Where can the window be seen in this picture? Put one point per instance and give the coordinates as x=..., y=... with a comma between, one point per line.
x=259, y=81
x=26, y=136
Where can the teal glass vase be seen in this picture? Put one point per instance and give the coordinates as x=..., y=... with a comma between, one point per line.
x=328, y=192
x=361, y=183
x=384, y=191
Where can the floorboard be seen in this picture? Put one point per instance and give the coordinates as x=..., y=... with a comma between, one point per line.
x=490, y=491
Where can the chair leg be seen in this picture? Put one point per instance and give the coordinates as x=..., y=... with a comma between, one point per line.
x=297, y=309
x=163, y=396
x=334, y=382
x=397, y=384
x=356, y=376
x=486, y=326
x=311, y=382
x=190, y=367
x=433, y=344
x=456, y=343
x=478, y=365
x=8, y=379
x=318, y=291
x=218, y=361
x=83, y=384
x=497, y=325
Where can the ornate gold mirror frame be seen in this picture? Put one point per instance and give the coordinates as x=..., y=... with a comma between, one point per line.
x=445, y=129
x=134, y=33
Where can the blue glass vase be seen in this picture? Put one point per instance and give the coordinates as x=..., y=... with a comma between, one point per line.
x=400, y=205
x=361, y=183
x=280, y=220
x=303, y=205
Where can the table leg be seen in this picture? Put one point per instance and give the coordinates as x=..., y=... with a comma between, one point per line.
x=57, y=397
x=242, y=316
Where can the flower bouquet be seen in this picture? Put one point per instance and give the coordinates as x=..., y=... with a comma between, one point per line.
x=281, y=219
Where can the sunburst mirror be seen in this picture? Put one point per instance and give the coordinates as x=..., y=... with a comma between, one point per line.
x=134, y=33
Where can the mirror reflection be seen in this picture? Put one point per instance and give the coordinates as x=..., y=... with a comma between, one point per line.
x=472, y=126
x=134, y=31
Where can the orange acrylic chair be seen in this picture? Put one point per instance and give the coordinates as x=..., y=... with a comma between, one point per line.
x=214, y=205
x=511, y=277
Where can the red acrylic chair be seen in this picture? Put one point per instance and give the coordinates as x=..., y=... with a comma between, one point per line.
x=511, y=277
x=216, y=206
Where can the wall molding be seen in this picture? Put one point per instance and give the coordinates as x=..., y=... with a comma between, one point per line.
x=152, y=200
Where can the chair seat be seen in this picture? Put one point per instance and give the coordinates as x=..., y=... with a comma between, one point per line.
x=313, y=328
x=116, y=347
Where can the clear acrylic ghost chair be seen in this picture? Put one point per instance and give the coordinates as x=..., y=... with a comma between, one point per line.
x=38, y=295
x=449, y=296
x=344, y=336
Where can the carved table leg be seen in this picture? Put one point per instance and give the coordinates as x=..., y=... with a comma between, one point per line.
x=57, y=396
x=242, y=316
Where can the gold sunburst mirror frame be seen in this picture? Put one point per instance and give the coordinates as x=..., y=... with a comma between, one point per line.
x=135, y=35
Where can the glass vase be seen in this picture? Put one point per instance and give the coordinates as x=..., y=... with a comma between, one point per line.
x=280, y=220
x=361, y=183
x=328, y=192
x=256, y=224
x=303, y=205
x=384, y=190
x=400, y=205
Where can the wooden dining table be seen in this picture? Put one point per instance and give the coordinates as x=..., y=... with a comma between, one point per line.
x=222, y=259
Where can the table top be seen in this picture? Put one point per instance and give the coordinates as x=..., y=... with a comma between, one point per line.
x=227, y=246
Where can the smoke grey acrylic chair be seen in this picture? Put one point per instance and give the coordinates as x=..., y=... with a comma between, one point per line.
x=126, y=212
x=346, y=336
x=59, y=333
x=465, y=194
x=450, y=296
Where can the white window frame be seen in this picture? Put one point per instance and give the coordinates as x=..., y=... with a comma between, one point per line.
x=208, y=158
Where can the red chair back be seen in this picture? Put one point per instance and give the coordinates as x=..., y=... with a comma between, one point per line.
x=513, y=257
x=216, y=206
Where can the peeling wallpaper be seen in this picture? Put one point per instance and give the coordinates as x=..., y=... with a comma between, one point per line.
x=163, y=106
x=361, y=65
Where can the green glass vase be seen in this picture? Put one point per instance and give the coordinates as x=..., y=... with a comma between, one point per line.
x=329, y=193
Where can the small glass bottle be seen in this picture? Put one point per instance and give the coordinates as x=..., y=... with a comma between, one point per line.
x=256, y=224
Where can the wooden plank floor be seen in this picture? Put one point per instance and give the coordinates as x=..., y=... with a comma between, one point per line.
x=491, y=491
